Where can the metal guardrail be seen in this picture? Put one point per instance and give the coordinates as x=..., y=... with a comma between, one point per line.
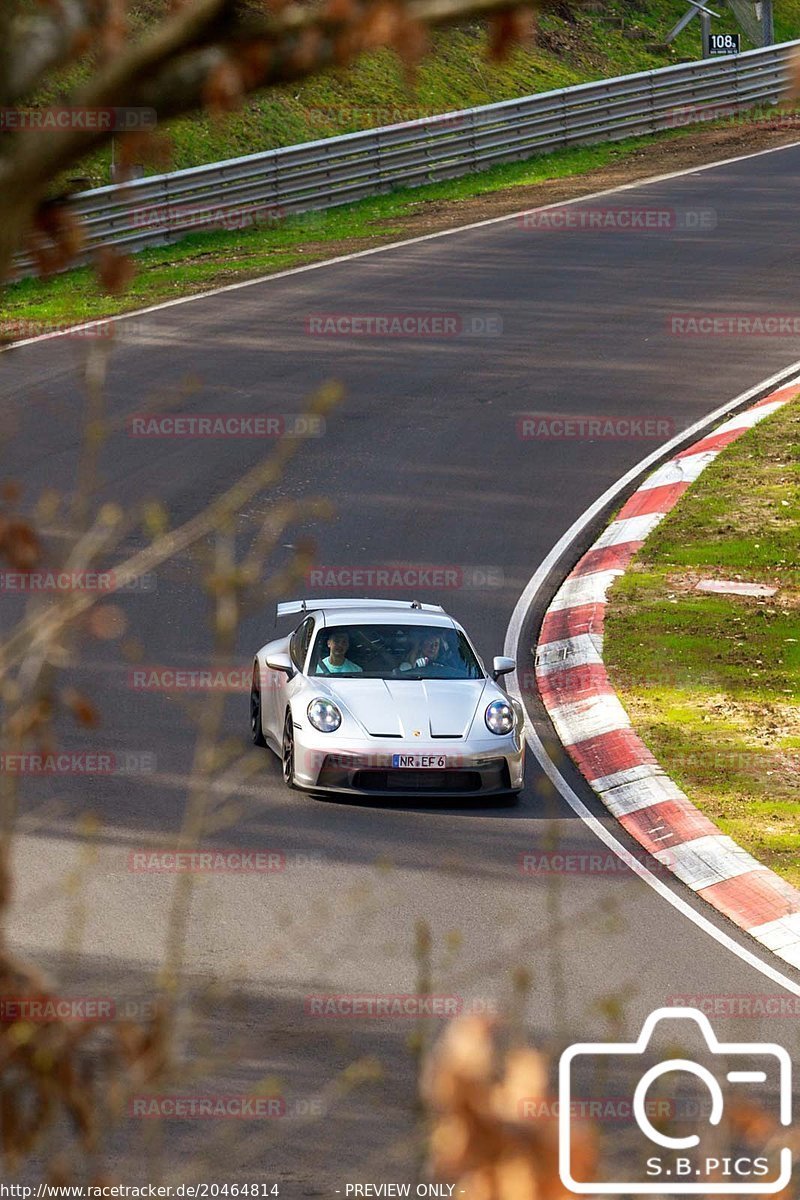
x=265, y=187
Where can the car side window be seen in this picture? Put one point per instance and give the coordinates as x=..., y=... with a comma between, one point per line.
x=298, y=647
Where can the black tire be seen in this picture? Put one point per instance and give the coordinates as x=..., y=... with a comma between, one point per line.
x=255, y=717
x=287, y=753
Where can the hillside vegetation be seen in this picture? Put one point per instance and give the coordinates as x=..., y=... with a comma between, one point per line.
x=574, y=43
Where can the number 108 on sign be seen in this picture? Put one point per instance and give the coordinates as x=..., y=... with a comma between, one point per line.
x=724, y=43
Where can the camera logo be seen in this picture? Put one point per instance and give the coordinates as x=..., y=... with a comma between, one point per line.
x=683, y=1165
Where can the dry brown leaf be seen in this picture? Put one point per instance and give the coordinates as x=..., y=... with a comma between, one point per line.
x=525, y=1078
x=480, y=1137
x=107, y=622
x=340, y=11
x=56, y=236
x=114, y=30
x=10, y=491
x=450, y=1143
x=508, y=29
x=381, y=25
x=81, y=708
x=516, y=1178
x=478, y=1185
x=794, y=77
x=307, y=49
x=254, y=61
x=464, y=1055
x=143, y=146
x=224, y=88
x=20, y=545
x=411, y=43
x=114, y=270
x=751, y=1122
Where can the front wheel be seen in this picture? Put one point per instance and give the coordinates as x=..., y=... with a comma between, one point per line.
x=255, y=717
x=287, y=756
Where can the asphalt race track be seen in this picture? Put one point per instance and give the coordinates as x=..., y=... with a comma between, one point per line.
x=424, y=464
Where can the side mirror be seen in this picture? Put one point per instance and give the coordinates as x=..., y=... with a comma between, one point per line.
x=502, y=666
x=281, y=661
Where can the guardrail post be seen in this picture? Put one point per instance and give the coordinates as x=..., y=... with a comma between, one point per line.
x=767, y=27
x=168, y=206
x=705, y=32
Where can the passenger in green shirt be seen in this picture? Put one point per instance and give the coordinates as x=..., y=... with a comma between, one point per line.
x=337, y=662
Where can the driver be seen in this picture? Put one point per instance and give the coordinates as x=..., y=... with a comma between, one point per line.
x=430, y=653
x=337, y=662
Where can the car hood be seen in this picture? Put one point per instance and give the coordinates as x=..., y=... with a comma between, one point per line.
x=411, y=707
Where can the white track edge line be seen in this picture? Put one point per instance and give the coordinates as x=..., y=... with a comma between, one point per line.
x=511, y=648
x=425, y=237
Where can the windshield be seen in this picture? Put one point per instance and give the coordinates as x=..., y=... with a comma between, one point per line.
x=393, y=652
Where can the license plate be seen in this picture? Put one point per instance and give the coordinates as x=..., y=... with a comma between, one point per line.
x=419, y=760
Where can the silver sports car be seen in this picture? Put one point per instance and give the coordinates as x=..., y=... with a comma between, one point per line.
x=377, y=697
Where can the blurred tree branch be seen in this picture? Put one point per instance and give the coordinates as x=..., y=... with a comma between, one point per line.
x=86, y=1072
x=206, y=54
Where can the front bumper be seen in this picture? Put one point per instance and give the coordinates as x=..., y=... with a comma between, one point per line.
x=473, y=769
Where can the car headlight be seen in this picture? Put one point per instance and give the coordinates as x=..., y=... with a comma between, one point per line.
x=499, y=717
x=324, y=715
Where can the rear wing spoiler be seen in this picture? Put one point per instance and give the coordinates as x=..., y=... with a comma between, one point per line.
x=289, y=607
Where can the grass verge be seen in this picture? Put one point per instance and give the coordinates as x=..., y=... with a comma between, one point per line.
x=712, y=682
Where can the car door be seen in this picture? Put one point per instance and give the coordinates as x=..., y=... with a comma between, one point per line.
x=276, y=689
x=285, y=688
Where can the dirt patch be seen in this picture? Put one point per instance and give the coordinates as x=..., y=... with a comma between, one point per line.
x=763, y=724
x=682, y=583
